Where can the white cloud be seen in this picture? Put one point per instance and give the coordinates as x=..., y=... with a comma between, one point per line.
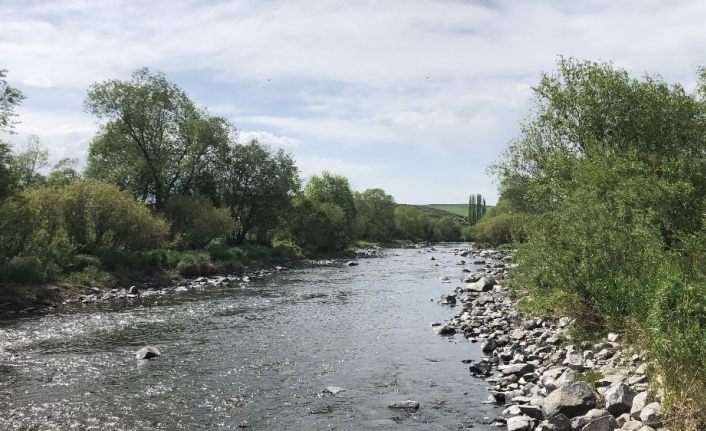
x=268, y=138
x=340, y=79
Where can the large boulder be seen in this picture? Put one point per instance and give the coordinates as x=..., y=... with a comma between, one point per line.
x=618, y=398
x=558, y=423
x=148, y=352
x=520, y=423
x=484, y=284
x=571, y=400
x=651, y=415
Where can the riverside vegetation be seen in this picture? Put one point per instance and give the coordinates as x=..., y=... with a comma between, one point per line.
x=604, y=193
x=169, y=191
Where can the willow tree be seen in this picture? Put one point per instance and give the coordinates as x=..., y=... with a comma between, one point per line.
x=153, y=133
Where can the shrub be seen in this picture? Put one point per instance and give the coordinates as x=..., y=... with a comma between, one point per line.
x=318, y=226
x=195, y=222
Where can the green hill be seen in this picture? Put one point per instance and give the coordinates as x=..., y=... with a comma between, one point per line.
x=458, y=209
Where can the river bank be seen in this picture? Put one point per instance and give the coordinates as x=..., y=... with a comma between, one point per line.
x=544, y=378
x=29, y=299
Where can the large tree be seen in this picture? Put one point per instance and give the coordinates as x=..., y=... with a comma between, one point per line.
x=257, y=185
x=154, y=135
x=10, y=97
x=375, y=219
x=335, y=190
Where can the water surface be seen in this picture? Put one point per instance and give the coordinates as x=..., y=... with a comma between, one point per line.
x=256, y=356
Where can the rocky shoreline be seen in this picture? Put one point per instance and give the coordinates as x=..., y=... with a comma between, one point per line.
x=544, y=380
x=146, y=289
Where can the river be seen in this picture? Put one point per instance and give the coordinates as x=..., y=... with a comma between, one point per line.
x=255, y=357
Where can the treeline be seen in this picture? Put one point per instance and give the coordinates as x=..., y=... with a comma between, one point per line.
x=604, y=193
x=168, y=185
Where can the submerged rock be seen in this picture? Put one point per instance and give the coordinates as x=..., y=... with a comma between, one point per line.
x=404, y=405
x=148, y=352
x=332, y=390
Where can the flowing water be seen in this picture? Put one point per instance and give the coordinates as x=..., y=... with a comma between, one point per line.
x=257, y=356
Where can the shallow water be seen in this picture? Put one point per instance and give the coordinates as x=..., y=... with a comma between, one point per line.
x=256, y=356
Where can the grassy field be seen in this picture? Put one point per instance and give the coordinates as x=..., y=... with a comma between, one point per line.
x=458, y=209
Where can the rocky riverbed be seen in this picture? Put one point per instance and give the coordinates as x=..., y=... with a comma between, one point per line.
x=544, y=379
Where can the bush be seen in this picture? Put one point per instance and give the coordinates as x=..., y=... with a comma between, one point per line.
x=195, y=222
x=30, y=269
x=318, y=226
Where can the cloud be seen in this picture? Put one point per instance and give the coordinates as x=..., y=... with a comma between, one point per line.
x=267, y=138
x=400, y=83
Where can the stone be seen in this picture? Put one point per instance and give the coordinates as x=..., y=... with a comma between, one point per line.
x=352, y=263
x=148, y=352
x=445, y=329
x=571, y=399
x=619, y=397
x=481, y=368
x=613, y=337
x=520, y=423
x=558, y=423
x=332, y=390
x=404, y=405
x=603, y=423
x=488, y=345
x=448, y=300
x=517, y=369
x=638, y=403
x=483, y=285
x=532, y=411
x=632, y=425
x=651, y=415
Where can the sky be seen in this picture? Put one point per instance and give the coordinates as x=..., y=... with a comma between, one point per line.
x=415, y=97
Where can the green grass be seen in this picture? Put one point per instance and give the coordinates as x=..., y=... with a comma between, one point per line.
x=458, y=209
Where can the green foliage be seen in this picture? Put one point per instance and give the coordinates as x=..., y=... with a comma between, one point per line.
x=195, y=221
x=334, y=190
x=257, y=186
x=413, y=225
x=476, y=208
x=375, y=215
x=30, y=161
x=27, y=269
x=446, y=229
x=63, y=173
x=608, y=184
x=154, y=136
x=53, y=224
x=8, y=179
x=318, y=226
x=10, y=98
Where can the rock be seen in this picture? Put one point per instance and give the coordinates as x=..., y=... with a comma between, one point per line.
x=133, y=290
x=651, y=415
x=481, y=368
x=404, y=405
x=532, y=411
x=632, y=425
x=351, y=263
x=603, y=423
x=445, y=329
x=517, y=369
x=448, y=300
x=488, y=345
x=332, y=390
x=148, y=352
x=483, y=285
x=618, y=398
x=571, y=399
x=520, y=423
x=558, y=423
x=613, y=337
x=638, y=403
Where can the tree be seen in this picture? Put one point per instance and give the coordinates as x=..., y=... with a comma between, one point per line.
x=318, y=226
x=335, y=190
x=154, y=133
x=10, y=98
x=7, y=173
x=64, y=172
x=195, y=221
x=30, y=161
x=476, y=208
x=257, y=186
x=375, y=215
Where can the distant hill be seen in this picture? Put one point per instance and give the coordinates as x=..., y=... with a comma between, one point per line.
x=458, y=209
x=437, y=213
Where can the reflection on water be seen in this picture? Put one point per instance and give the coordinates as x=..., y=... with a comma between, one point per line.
x=253, y=357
